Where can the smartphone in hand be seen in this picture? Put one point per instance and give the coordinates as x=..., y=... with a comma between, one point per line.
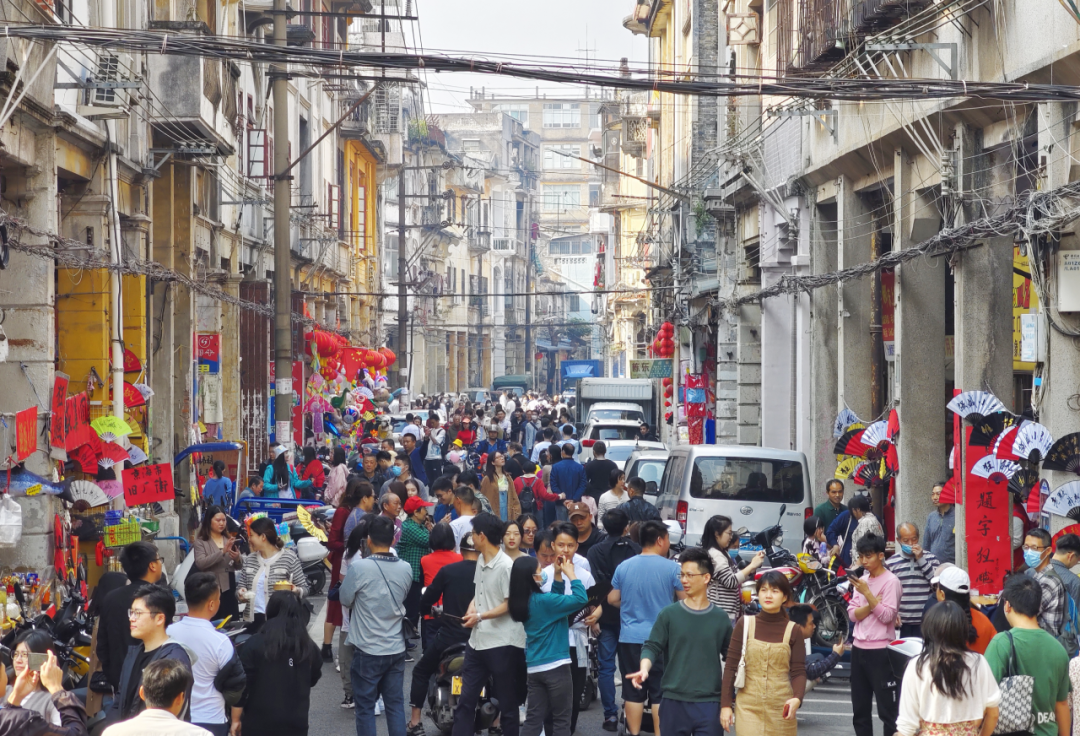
x=35, y=661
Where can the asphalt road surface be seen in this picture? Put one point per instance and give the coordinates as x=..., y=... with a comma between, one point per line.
x=827, y=710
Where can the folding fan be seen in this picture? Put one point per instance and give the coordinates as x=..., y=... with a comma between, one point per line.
x=1022, y=482
x=1032, y=441
x=850, y=443
x=305, y=520
x=136, y=455
x=88, y=492
x=1064, y=454
x=866, y=474
x=984, y=428
x=843, y=422
x=981, y=403
x=1064, y=499
x=875, y=434
x=994, y=470
x=846, y=467
x=894, y=424
x=112, y=454
x=1002, y=446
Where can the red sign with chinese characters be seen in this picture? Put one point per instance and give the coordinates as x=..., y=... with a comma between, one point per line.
x=57, y=430
x=25, y=433
x=77, y=421
x=147, y=484
x=986, y=524
x=208, y=347
x=888, y=305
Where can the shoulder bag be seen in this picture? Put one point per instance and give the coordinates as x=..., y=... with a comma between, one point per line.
x=747, y=632
x=408, y=628
x=1014, y=713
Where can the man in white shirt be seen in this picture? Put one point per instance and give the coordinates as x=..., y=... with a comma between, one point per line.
x=212, y=652
x=465, y=506
x=164, y=683
x=548, y=434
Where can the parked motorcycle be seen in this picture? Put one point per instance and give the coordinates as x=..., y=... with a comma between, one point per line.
x=312, y=553
x=445, y=689
x=821, y=588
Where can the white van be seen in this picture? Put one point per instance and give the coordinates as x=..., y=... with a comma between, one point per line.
x=745, y=483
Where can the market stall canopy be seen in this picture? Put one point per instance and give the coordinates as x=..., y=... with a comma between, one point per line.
x=207, y=447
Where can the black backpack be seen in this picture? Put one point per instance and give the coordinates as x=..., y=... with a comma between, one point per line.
x=527, y=498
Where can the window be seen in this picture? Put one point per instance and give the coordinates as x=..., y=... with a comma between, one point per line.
x=594, y=195
x=561, y=197
x=256, y=153
x=562, y=115
x=747, y=479
x=470, y=144
x=390, y=254
x=517, y=112
x=650, y=471
x=558, y=157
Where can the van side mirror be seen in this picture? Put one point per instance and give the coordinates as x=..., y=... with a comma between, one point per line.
x=651, y=488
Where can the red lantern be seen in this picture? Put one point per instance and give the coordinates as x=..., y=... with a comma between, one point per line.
x=378, y=360
x=666, y=381
x=668, y=392
x=669, y=347
x=668, y=328
x=389, y=355
x=373, y=359
x=325, y=344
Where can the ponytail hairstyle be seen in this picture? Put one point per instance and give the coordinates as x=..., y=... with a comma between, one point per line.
x=944, y=651
x=265, y=527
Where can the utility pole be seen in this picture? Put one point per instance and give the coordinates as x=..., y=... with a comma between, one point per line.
x=530, y=364
x=402, y=307
x=283, y=393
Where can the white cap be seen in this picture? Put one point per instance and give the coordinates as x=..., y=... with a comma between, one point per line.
x=278, y=450
x=952, y=578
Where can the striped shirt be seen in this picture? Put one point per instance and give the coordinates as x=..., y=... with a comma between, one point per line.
x=914, y=578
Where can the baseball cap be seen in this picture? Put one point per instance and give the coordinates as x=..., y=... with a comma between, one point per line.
x=578, y=509
x=952, y=578
x=415, y=502
x=466, y=544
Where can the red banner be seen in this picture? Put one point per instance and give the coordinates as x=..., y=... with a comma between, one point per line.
x=987, y=509
x=147, y=484
x=888, y=305
x=25, y=433
x=77, y=421
x=57, y=430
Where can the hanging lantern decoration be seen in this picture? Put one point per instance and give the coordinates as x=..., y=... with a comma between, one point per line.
x=326, y=345
x=378, y=360
x=666, y=381
x=387, y=353
x=668, y=391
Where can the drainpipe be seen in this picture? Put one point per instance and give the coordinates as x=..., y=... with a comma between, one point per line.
x=116, y=337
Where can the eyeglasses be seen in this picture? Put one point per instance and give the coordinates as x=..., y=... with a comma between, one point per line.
x=1029, y=548
x=692, y=574
x=20, y=655
x=133, y=614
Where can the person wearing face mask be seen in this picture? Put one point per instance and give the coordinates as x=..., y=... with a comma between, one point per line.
x=719, y=540
x=915, y=567
x=1052, y=613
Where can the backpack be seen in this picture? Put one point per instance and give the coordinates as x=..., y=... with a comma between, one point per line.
x=527, y=498
x=1069, y=636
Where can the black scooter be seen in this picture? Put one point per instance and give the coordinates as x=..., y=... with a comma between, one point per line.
x=445, y=689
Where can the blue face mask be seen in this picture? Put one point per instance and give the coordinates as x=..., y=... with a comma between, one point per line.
x=734, y=553
x=905, y=548
x=395, y=470
x=1032, y=558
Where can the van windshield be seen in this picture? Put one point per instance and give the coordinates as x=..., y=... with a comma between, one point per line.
x=613, y=433
x=747, y=479
x=632, y=415
x=648, y=470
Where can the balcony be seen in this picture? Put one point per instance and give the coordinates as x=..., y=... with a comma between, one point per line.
x=510, y=246
x=480, y=242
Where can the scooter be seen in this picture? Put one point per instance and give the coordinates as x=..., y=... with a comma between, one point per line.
x=311, y=551
x=445, y=689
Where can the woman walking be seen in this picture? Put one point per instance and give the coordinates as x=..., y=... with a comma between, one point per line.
x=441, y=540
x=725, y=586
x=499, y=489
x=774, y=657
x=216, y=552
x=269, y=568
x=547, y=641
x=282, y=664
x=949, y=690
x=280, y=479
x=338, y=478
x=511, y=541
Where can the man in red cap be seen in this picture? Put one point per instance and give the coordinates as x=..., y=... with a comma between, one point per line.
x=588, y=535
x=411, y=547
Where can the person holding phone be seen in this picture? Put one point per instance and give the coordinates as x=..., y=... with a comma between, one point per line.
x=31, y=651
x=16, y=717
x=216, y=552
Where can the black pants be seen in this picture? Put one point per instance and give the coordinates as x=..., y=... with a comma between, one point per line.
x=872, y=677
x=412, y=602
x=502, y=665
x=446, y=637
x=907, y=630
x=577, y=674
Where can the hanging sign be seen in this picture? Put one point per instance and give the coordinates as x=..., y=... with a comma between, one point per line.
x=888, y=312
x=646, y=368
x=57, y=429
x=208, y=351
x=77, y=421
x=25, y=433
x=148, y=484
x=987, y=513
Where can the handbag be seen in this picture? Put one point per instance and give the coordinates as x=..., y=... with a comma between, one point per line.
x=408, y=628
x=1014, y=712
x=740, y=674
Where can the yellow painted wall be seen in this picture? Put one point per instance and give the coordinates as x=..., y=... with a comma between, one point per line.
x=361, y=171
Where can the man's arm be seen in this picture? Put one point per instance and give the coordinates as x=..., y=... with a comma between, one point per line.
x=433, y=592
x=1064, y=717
x=579, y=490
x=349, y=586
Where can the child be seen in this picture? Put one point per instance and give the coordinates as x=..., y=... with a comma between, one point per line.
x=814, y=543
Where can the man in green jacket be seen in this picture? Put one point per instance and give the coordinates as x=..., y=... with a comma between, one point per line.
x=691, y=638
x=834, y=506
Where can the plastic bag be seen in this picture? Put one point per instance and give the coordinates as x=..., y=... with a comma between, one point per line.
x=10, y=522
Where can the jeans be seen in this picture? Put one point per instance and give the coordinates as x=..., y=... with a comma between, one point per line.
x=872, y=677
x=412, y=602
x=550, y=695
x=372, y=676
x=607, y=647
x=499, y=664
x=345, y=656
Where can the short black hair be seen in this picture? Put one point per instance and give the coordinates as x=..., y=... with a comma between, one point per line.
x=1023, y=594
x=615, y=522
x=564, y=527
x=548, y=433
x=650, y=532
x=637, y=485
x=163, y=680
x=800, y=613
x=489, y=525
x=613, y=478
x=382, y=455
x=404, y=460
x=599, y=447
x=1068, y=543
x=465, y=493
x=567, y=430
x=870, y=544
x=699, y=556
x=441, y=538
x=542, y=537
x=833, y=482
x=381, y=530
x=860, y=502
x=136, y=559
x=442, y=483
x=568, y=449
x=157, y=600
x=469, y=478
x=1041, y=534
x=199, y=587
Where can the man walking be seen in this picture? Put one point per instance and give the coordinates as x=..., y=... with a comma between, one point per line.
x=1054, y=608
x=143, y=564
x=598, y=471
x=604, y=557
x=496, y=648
x=567, y=482
x=914, y=567
x=873, y=607
x=941, y=525
x=1036, y=654
x=374, y=590
x=1066, y=556
x=692, y=637
x=642, y=587
x=637, y=508
x=833, y=506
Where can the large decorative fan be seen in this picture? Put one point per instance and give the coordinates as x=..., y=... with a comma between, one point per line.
x=894, y=424
x=1032, y=441
x=994, y=469
x=846, y=467
x=843, y=422
x=866, y=474
x=850, y=443
x=110, y=428
x=876, y=434
x=1022, y=482
x=1064, y=454
x=1002, y=446
x=1064, y=499
x=985, y=428
x=112, y=454
x=305, y=520
x=87, y=492
x=136, y=455
x=975, y=404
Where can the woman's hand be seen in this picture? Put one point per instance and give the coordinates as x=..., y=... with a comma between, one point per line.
x=25, y=684
x=757, y=561
x=791, y=707
x=727, y=718
x=52, y=677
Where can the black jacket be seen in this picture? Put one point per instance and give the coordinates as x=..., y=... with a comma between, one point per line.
x=278, y=694
x=598, y=475
x=454, y=584
x=114, y=631
x=231, y=680
x=123, y=705
x=16, y=721
x=603, y=559
x=638, y=509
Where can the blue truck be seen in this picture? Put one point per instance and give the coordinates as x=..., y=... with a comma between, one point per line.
x=571, y=371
